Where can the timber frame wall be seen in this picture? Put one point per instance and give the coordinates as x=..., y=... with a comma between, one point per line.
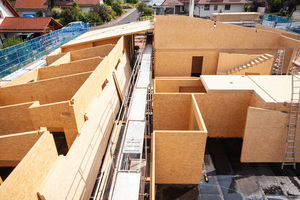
x=78, y=93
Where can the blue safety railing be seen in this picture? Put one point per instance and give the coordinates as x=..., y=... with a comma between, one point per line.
x=283, y=23
x=21, y=55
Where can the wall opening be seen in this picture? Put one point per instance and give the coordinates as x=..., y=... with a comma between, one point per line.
x=197, y=62
x=60, y=143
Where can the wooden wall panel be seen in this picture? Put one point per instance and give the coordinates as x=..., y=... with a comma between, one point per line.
x=233, y=17
x=65, y=58
x=45, y=91
x=101, y=51
x=171, y=111
x=93, y=86
x=179, y=156
x=52, y=58
x=14, y=147
x=75, y=67
x=75, y=175
x=174, y=85
x=76, y=47
x=224, y=114
x=285, y=33
x=27, y=177
x=29, y=77
x=265, y=136
x=56, y=117
x=106, y=41
x=15, y=119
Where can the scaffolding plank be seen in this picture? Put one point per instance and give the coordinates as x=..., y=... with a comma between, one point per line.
x=137, y=111
x=127, y=186
x=143, y=79
x=134, y=137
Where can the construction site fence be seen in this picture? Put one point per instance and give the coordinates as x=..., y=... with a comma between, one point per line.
x=21, y=55
x=283, y=23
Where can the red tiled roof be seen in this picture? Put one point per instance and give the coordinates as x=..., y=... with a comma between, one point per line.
x=26, y=24
x=79, y=2
x=11, y=8
x=172, y=3
x=222, y=2
x=31, y=5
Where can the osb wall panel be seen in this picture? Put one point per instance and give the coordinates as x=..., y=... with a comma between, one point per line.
x=289, y=42
x=75, y=67
x=27, y=177
x=196, y=121
x=231, y=17
x=265, y=136
x=14, y=147
x=53, y=58
x=65, y=58
x=229, y=61
x=171, y=111
x=174, y=85
x=45, y=91
x=75, y=175
x=123, y=73
x=224, y=114
x=262, y=68
x=179, y=156
x=106, y=41
x=194, y=33
x=93, y=86
x=15, y=119
x=76, y=47
x=179, y=62
x=285, y=33
x=55, y=116
x=199, y=38
x=101, y=51
x=29, y=77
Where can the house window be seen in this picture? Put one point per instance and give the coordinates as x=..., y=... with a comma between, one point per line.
x=227, y=7
x=181, y=8
x=216, y=7
x=206, y=7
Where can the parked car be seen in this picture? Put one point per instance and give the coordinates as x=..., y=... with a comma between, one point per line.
x=74, y=24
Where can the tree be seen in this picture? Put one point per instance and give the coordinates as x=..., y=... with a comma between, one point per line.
x=141, y=7
x=11, y=42
x=56, y=13
x=148, y=11
x=103, y=11
x=71, y=15
x=275, y=5
x=259, y=3
x=116, y=6
x=109, y=2
x=52, y=3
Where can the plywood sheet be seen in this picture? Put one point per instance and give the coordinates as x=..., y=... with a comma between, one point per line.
x=76, y=67
x=26, y=179
x=15, y=146
x=65, y=58
x=101, y=51
x=224, y=114
x=265, y=136
x=75, y=175
x=179, y=156
x=285, y=33
x=52, y=58
x=26, y=78
x=45, y=91
x=15, y=119
x=171, y=111
x=174, y=85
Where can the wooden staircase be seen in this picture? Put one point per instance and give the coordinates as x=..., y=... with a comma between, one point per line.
x=240, y=70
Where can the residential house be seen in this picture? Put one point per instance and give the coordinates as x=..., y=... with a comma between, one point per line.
x=18, y=25
x=29, y=8
x=6, y=10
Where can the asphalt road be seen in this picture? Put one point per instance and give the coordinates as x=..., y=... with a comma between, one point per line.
x=130, y=18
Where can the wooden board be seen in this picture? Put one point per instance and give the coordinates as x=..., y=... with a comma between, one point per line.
x=179, y=156
x=285, y=33
x=75, y=175
x=224, y=114
x=26, y=78
x=45, y=91
x=171, y=111
x=179, y=86
x=14, y=147
x=65, y=58
x=265, y=136
x=70, y=68
x=26, y=179
x=52, y=58
x=101, y=51
x=15, y=119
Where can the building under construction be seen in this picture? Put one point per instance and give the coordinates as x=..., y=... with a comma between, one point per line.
x=130, y=112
